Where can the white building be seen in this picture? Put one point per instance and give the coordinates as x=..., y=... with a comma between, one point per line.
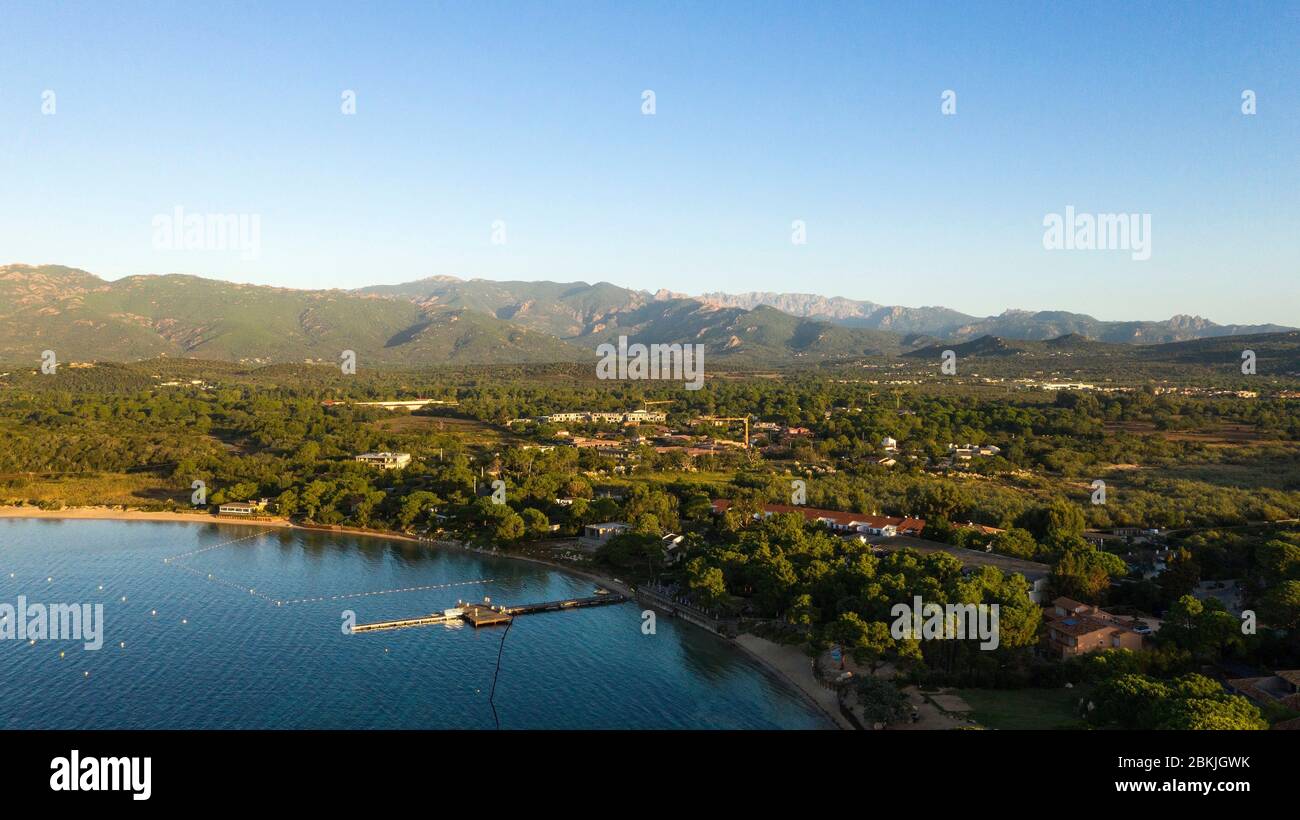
x=674, y=547
x=555, y=418
x=966, y=451
x=244, y=509
x=594, y=535
x=610, y=417
x=389, y=461
x=646, y=417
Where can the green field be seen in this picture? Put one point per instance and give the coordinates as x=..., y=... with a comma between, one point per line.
x=1024, y=708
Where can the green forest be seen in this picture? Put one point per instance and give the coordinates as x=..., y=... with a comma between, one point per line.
x=1218, y=477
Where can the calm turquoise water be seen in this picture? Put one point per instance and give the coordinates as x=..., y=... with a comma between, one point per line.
x=219, y=656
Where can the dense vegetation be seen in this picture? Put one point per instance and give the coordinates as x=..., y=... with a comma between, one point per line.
x=1220, y=475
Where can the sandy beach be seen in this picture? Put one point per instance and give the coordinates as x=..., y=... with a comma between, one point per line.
x=105, y=513
x=119, y=514
x=795, y=667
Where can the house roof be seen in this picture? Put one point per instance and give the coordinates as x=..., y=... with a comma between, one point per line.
x=1265, y=690
x=1083, y=618
x=1083, y=625
x=843, y=519
x=1069, y=604
x=1291, y=676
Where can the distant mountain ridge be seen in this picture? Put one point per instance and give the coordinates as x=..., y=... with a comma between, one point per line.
x=573, y=309
x=83, y=317
x=588, y=315
x=1011, y=324
x=447, y=320
x=1281, y=351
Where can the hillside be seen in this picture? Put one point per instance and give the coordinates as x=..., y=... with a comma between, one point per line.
x=996, y=346
x=1277, y=354
x=444, y=320
x=1051, y=324
x=589, y=315
x=734, y=333
x=1011, y=324
x=82, y=317
x=566, y=310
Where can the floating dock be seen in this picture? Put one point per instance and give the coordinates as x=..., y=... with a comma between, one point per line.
x=402, y=624
x=488, y=615
x=485, y=615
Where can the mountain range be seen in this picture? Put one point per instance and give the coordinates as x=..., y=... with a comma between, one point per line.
x=1012, y=324
x=445, y=320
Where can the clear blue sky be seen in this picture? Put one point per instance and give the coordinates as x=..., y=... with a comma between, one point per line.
x=766, y=113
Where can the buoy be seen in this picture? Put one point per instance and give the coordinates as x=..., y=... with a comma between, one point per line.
x=61, y=654
x=184, y=620
x=153, y=612
x=122, y=645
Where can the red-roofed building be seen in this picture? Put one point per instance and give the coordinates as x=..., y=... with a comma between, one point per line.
x=1283, y=688
x=1075, y=628
x=841, y=521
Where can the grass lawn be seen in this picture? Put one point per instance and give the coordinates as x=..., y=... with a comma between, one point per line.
x=699, y=477
x=1024, y=708
x=471, y=430
x=73, y=490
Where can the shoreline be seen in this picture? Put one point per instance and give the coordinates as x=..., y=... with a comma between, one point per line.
x=792, y=666
x=786, y=663
x=603, y=580
x=105, y=513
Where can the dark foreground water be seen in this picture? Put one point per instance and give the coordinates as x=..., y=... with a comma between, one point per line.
x=221, y=653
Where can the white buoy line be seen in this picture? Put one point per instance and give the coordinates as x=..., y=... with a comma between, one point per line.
x=215, y=579
x=215, y=546
x=386, y=591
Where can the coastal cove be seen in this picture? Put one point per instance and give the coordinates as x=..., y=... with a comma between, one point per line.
x=240, y=625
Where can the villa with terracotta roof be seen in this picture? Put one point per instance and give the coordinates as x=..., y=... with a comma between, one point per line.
x=1074, y=628
x=1281, y=688
x=841, y=521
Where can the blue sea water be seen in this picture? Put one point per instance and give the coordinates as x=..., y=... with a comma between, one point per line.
x=248, y=633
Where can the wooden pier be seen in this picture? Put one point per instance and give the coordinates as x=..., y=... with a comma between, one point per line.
x=401, y=624
x=571, y=603
x=485, y=615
